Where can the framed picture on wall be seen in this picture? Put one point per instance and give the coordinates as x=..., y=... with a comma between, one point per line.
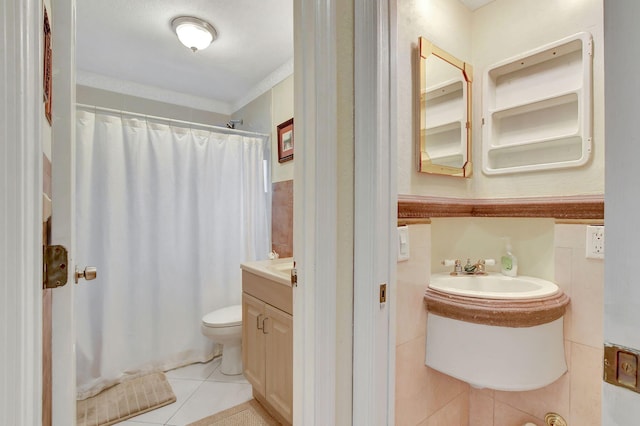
x=285, y=141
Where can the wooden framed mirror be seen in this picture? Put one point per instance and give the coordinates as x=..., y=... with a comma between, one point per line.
x=445, y=112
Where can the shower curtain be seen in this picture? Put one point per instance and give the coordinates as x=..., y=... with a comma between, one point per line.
x=166, y=213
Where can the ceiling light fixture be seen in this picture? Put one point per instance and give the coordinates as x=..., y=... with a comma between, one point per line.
x=194, y=33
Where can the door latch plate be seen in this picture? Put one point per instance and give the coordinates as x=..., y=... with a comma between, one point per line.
x=383, y=293
x=55, y=272
x=621, y=367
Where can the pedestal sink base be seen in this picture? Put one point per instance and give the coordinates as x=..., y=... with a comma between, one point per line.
x=495, y=357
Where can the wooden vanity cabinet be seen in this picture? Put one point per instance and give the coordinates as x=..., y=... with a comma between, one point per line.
x=267, y=343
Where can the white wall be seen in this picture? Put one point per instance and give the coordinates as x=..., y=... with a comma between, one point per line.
x=263, y=115
x=281, y=110
x=107, y=99
x=447, y=24
x=506, y=28
x=622, y=292
x=256, y=115
x=481, y=238
x=498, y=31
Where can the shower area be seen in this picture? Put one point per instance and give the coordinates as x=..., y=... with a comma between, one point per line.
x=166, y=210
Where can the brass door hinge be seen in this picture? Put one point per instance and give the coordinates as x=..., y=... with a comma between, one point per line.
x=55, y=266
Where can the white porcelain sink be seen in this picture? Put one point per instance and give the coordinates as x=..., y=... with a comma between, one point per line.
x=493, y=286
x=506, y=333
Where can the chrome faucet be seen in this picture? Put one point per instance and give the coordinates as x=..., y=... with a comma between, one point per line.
x=477, y=268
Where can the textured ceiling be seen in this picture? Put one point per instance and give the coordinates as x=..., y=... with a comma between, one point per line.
x=132, y=41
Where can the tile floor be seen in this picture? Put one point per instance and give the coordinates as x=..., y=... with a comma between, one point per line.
x=201, y=390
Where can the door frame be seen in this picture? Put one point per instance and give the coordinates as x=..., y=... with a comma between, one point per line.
x=375, y=233
x=63, y=218
x=22, y=112
x=317, y=341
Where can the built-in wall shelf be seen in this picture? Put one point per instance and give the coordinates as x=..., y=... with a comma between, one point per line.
x=538, y=107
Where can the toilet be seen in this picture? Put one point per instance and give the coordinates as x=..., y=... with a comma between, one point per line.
x=224, y=326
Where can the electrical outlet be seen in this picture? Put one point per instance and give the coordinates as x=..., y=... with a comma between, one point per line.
x=595, y=242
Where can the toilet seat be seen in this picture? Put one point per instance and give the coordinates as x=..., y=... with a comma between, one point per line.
x=230, y=316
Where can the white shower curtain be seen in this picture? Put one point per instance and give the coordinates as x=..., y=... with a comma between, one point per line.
x=167, y=214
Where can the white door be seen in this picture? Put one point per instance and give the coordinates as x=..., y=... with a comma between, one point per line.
x=621, y=406
x=62, y=220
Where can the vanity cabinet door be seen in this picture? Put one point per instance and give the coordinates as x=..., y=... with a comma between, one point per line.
x=279, y=360
x=253, y=341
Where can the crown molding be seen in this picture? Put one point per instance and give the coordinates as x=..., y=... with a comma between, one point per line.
x=125, y=87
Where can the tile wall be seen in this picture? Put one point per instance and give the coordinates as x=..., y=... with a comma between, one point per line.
x=426, y=397
x=423, y=395
x=282, y=218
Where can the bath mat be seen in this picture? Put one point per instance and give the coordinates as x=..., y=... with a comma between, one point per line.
x=250, y=413
x=125, y=400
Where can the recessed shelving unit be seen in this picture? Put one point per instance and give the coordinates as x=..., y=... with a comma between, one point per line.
x=538, y=108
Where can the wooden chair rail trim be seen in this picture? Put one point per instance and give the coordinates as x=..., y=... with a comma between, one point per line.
x=583, y=208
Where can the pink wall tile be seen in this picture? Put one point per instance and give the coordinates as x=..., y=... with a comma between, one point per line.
x=587, y=301
x=427, y=397
x=538, y=402
x=563, y=278
x=442, y=389
x=455, y=413
x=282, y=218
x=505, y=415
x=586, y=385
x=412, y=281
x=481, y=407
x=411, y=318
x=411, y=383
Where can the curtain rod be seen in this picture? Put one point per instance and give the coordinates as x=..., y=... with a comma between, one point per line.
x=171, y=120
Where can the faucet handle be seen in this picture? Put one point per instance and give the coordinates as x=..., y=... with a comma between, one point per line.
x=489, y=262
x=457, y=266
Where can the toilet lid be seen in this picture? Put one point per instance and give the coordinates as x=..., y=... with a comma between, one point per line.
x=225, y=317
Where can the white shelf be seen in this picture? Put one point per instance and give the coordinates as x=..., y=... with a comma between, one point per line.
x=537, y=111
x=443, y=103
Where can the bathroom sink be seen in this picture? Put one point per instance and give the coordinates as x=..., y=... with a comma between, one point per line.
x=493, y=331
x=284, y=267
x=493, y=286
x=278, y=270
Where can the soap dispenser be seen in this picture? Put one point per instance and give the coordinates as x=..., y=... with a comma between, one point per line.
x=509, y=262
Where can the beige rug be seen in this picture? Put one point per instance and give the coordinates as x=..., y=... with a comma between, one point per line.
x=250, y=413
x=125, y=400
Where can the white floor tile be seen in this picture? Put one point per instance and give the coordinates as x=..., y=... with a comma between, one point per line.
x=211, y=398
x=217, y=376
x=132, y=423
x=197, y=371
x=183, y=389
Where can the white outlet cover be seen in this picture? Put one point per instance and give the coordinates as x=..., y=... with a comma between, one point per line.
x=595, y=242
